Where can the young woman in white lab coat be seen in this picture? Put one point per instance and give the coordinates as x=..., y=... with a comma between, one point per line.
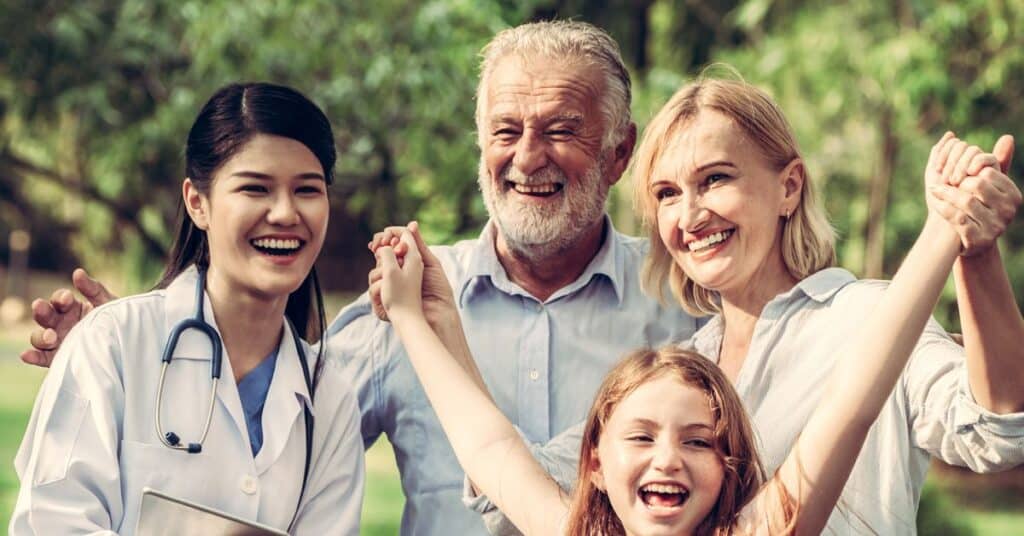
x=107, y=421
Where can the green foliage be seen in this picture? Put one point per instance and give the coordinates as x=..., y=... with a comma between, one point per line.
x=96, y=97
x=936, y=515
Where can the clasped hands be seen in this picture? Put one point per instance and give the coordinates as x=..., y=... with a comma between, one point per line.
x=971, y=191
x=408, y=277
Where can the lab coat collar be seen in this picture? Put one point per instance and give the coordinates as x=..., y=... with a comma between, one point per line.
x=180, y=305
x=285, y=401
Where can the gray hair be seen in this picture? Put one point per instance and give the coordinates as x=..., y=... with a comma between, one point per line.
x=570, y=40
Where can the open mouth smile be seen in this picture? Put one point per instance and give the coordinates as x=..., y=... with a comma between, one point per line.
x=663, y=498
x=277, y=247
x=535, y=190
x=710, y=241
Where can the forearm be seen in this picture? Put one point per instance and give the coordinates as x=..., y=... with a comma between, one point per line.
x=866, y=372
x=864, y=376
x=485, y=442
x=453, y=338
x=992, y=330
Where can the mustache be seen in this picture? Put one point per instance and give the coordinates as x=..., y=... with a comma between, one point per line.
x=546, y=175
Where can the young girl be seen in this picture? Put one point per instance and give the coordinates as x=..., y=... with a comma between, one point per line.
x=133, y=400
x=667, y=448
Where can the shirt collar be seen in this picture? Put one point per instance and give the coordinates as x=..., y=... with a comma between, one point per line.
x=484, y=266
x=820, y=286
x=180, y=304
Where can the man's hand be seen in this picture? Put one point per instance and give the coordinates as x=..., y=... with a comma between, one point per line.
x=56, y=316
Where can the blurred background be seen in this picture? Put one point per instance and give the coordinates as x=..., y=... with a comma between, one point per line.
x=96, y=97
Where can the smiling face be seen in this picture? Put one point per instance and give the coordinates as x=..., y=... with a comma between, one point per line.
x=265, y=217
x=544, y=173
x=656, y=458
x=721, y=207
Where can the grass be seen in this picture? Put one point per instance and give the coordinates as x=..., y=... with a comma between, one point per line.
x=954, y=502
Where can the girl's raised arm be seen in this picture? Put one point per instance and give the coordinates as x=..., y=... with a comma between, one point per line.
x=486, y=444
x=816, y=470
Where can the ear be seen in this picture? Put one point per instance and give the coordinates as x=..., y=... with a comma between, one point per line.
x=791, y=179
x=621, y=155
x=596, y=476
x=197, y=204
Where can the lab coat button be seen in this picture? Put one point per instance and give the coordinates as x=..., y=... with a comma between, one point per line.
x=249, y=484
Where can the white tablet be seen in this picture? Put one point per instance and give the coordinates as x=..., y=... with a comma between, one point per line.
x=160, y=514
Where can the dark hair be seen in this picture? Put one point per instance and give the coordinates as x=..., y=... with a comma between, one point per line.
x=232, y=116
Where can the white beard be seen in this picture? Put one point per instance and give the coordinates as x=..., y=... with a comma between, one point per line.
x=540, y=231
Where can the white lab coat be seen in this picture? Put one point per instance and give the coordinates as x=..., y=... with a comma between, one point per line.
x=91, y=444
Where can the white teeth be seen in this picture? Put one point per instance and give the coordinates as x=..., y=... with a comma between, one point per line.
x=548, y=188
x=274, y=243
x=663, y=488
x=709, y=240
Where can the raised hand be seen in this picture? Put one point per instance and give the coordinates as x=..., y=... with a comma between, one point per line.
x=436, y=293
x=400, y=286
x=56, y=316
x=970, y=189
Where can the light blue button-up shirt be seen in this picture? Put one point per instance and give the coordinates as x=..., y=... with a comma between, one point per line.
x=542, y=361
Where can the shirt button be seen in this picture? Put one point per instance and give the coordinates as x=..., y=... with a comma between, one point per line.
x=539, y=307
x=249, y=485
x=534, y=374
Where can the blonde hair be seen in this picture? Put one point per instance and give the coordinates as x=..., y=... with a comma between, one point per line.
x=570, y=41
x=591, y=513
x=808, y=240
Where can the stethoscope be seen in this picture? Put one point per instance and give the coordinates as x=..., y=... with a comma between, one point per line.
x=198, y=323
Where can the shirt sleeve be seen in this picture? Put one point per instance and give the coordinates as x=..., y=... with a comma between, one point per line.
x=355, y=339
x=560, y=459
x=68, y=460
x=945, y=419
x=333, y=499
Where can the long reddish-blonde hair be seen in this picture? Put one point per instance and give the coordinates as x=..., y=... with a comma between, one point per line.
x=591, y=513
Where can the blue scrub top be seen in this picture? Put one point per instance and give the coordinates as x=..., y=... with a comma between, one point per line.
x=252, y=389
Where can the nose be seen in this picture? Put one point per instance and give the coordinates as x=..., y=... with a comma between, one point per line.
x=667, y=457
x=530, y=154
x=283, y=210
x=692, y=214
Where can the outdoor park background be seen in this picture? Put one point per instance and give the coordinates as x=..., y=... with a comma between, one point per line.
x=96, y=97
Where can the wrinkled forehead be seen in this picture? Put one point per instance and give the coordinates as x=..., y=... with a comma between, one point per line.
x=540, y=85
x=700, y=141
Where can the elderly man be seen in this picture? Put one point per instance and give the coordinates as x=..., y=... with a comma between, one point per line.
x=549, y=293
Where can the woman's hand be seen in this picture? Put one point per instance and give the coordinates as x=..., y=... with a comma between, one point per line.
x=970, y=190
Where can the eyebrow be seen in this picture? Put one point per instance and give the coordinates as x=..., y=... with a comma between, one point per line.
x=717, y=163
x=690, y=426
x=265, y=177
x=568, y=117
x=703, y=167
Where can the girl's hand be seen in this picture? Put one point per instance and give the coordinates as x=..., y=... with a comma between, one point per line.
x=399, y=286
x=969, y=189
x=390, y=236
x=438, y=301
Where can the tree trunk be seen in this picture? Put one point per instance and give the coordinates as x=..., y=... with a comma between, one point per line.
x=878, y=200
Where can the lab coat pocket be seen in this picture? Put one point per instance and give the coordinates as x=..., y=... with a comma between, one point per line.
x=58, y=437
x=176, y=473
x=165, y=469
